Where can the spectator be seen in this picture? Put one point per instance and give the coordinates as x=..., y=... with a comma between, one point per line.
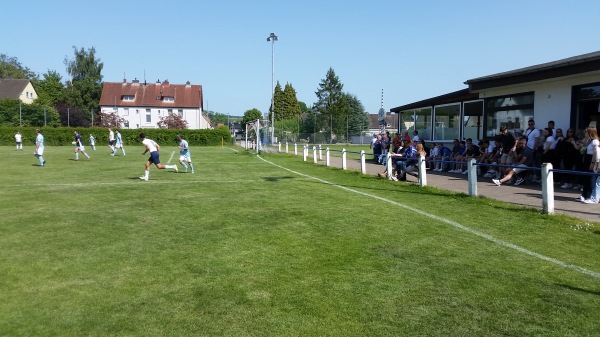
x=410, y=154
x=433, y=154
x=444, y=154
x=494, y=158
x=472, y=151
x=568, y=151
x=458, y=158
x=377, y=147
x=533, y=142
x=508, y=143
x=522, y=157
x=416, y=136
x=590, y=142
x=551, y=127
x=396, y=142
x=549, y=146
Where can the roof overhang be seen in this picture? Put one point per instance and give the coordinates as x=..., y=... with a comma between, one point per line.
x=453, y=97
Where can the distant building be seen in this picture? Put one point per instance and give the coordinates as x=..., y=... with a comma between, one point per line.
x=17, y=89
x=142, y=105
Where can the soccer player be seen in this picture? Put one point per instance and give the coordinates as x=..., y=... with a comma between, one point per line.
x=153, y=148
x=79, y=146
x=92, y=142
x=19, y=141
x=184, y=154
x=111, y=141
x=39, y=147
x=119, y=142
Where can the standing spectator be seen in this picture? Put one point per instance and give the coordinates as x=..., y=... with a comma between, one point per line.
x=111, y=141
x=39, y=147
x=119, y=143
x=533, y=142
x=184, y=154
x=595, y=195
x=591, y=142
x=377, y=148
x=508, y=143
x=79, y=146
x=92, y=142
x=568, y=149
x=551, y=126
x=153, y=148
x=549, y=146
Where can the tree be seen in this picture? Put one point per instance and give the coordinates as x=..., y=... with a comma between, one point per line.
x=10, y=67
x=216, y=117
x=72, y=116
x=291, y=107
x=50, y=89
x=358, y=119
x=172, y=121
x=109, y=120
x=330, y=103
x=277, y=103
x=85, y=85
x=15, y=113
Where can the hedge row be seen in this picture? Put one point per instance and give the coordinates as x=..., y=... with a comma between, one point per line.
x=166, y=137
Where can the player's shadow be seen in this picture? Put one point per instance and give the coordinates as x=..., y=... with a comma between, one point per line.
x=276, y=179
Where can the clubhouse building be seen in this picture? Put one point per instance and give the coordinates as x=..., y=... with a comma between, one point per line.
x=566, y=91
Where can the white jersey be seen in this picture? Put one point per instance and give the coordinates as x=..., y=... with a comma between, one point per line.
x=111, y=136
x=150, y=145
x=18, y=138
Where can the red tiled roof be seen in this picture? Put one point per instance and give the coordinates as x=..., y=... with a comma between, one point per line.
x=151, y=95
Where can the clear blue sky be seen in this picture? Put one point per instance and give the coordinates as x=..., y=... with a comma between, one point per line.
x=412, y=50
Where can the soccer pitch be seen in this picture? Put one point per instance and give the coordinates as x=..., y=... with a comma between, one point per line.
x=274, y=246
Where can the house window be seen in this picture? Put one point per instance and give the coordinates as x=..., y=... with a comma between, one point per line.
x=447, y=121
x=473, y=119
x=169, y=112
x=180, y=112
x=148, y=116
x=126, y=112
x=419, y=119
x=128, y=98
x=511, y=111
x=126, y=125
x=169, y=99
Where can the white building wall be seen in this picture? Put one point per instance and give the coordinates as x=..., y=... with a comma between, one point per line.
x=136, y=116
x=552, y=97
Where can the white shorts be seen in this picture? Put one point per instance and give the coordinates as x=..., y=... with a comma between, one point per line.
x=80, y=148
x=187, y=158
x=520, y=168
x=39, y=151
x=118, y=146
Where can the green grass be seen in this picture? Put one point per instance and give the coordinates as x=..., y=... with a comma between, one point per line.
x=247, y=248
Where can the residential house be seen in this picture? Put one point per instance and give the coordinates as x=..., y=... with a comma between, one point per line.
x=21, y=89
x=143, y=105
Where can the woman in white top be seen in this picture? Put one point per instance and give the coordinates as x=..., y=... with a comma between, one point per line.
x=548, y=147
x=591, y=142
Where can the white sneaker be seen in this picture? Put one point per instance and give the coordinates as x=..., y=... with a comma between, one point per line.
x=496, y=181
x=580, y=198
x=175, y=168
x=519, y=181
x=566, y=185
x=465, y=172
x=393, y=178
x=144, y=178
x=588, y=201
x=487, y=175
x=491, y=171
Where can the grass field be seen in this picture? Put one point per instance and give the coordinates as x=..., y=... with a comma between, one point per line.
x=274, y=246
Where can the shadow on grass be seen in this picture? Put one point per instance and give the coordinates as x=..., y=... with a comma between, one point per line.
x=276, y=179
x=597, y=293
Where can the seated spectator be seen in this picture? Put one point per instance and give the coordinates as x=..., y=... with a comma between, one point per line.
x=444, y=154
x=495, y=159
x=409, y=156
x=433, y=154
x=459, y=158
x=485, y=154
x=523, y=158
x=396, y=142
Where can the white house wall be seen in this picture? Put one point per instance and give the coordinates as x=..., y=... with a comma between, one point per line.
x=552, y=97
x=137, y=117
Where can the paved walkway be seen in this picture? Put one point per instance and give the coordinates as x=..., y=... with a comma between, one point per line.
x=526, y=195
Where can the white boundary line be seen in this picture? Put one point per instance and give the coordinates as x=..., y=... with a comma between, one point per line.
x=453, y=224
x=171, y=157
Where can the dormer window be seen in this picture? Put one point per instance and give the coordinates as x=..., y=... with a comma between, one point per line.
x=169, y=99
x=128, y=98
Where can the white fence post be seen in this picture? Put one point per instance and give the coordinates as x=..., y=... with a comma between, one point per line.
x=363, y=166
x=547, y=189
x=305, y=151
x=315, y=154
x=286, y=147
x=296, y=149
x=472, y=175
x=320, y=153
x=327, y=157
x=388, y=165
x=279, y=147
x=344, y=159
x=422, y=171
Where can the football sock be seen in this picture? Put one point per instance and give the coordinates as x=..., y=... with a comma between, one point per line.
x=184, y=165
x=86, y=155
x=192, y=167
x=147, y=174
x=41, y=159
x=76, y=155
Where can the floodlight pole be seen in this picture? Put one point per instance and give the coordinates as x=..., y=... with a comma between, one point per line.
x=272, y=38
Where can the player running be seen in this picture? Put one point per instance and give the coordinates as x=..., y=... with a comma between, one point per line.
x=79, y=146
x=184, y=154
x=153, y=148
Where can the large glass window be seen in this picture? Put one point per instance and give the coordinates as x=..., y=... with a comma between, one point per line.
x=587, y=98
x=447, y=121
x=417, y=119
x=473, y=119
x=510, y=111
